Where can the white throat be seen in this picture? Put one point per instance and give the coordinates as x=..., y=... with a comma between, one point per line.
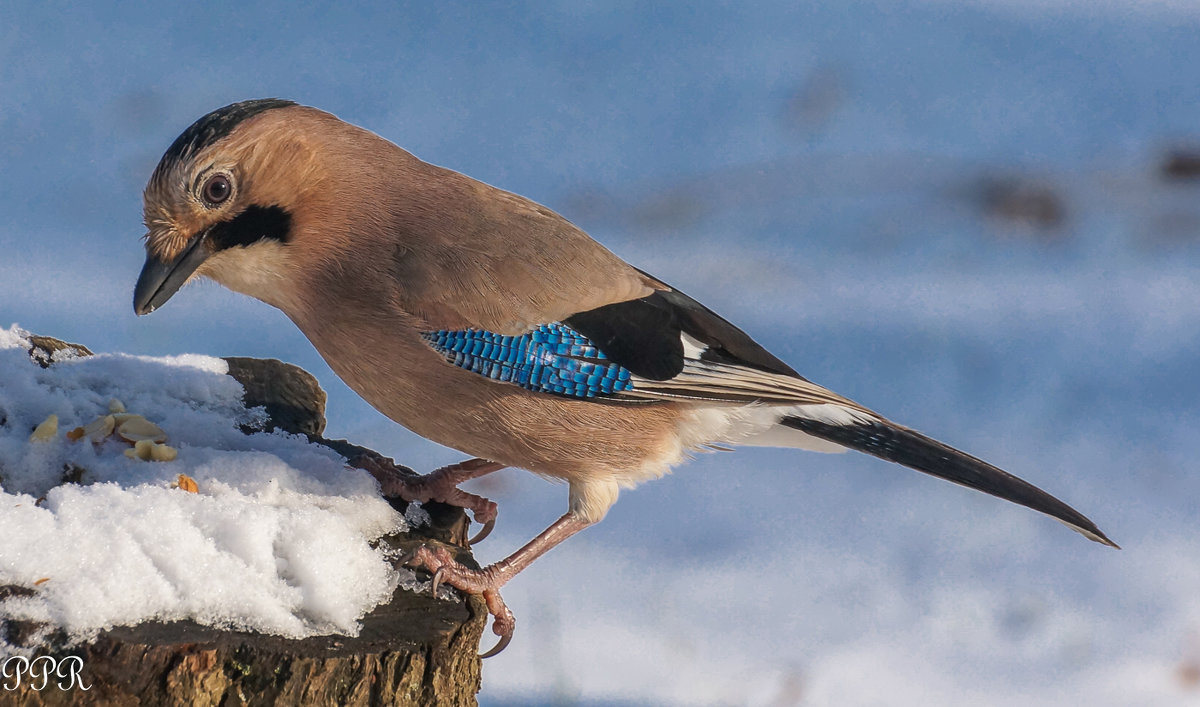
x=262, y=270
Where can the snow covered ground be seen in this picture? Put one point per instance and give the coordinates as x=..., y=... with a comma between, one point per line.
x=274, y=539
x=820, y=174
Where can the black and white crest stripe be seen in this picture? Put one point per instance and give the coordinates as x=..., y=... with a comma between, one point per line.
x=212, y=127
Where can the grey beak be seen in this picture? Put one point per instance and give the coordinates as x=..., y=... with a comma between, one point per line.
x=160, y=279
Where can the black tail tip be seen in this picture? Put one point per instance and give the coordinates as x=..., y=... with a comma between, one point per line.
x=1091, y=533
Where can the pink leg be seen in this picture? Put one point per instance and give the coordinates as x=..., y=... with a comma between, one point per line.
x=487, y=581
x=442, y=485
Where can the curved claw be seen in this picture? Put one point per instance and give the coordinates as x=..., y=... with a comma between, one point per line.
x=437, y=581
x=407, y=559
x=500, y=645
x=485, y=531
x=484, y=582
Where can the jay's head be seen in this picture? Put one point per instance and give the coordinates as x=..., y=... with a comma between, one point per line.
x=224, y=200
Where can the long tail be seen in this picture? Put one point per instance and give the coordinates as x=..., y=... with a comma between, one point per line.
x=894, y=443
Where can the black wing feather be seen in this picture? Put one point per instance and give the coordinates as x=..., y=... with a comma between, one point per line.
x=641, y=335
x=645, y=336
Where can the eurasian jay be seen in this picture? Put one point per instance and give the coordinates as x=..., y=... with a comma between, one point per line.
x=489, y=323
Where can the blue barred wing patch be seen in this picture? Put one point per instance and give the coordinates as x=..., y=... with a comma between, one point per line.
x=552, y=358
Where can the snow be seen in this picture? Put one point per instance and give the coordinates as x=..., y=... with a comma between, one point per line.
x=277, y=539
x=846, y=235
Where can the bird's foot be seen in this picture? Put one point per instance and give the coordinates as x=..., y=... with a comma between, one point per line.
x=441, y=485
x=485, y=582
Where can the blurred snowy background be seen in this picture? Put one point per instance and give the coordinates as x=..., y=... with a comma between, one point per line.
x=979, y=218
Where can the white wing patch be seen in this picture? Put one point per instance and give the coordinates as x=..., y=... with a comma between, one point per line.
x=743, y=405
x=692, y=347
x=723, y=382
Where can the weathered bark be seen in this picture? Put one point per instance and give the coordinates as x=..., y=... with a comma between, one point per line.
x=415, y=650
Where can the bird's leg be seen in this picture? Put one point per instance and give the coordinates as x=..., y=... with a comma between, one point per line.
x=487, y=581
x=442, y=485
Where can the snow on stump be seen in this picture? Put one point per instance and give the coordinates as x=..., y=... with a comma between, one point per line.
x=115, y=579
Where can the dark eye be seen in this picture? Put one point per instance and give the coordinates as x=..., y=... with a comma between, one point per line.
x=216, y=189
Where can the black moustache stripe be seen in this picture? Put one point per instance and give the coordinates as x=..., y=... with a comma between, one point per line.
x=256, y=223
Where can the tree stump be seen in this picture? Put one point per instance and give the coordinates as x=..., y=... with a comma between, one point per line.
x=414, y=650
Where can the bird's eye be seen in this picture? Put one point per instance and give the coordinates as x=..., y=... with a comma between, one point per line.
x=216, y=189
